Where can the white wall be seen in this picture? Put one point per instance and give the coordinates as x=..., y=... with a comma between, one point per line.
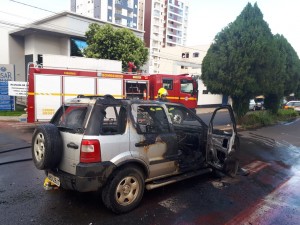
x=207, y=99
x=16, y=56
x=45, y=44
x=171, y=61
x=4, y=54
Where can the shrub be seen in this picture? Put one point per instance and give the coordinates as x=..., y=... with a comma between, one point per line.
x=265, y=118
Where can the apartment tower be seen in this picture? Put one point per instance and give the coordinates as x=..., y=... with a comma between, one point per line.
x=165, y=26
x=164, y=21
x=128, y=13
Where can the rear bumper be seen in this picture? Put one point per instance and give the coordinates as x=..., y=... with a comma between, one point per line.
x=89, y=177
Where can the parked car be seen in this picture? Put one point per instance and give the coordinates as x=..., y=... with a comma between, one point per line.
x=291, y=104
x=256, y=104
x=297, y=109
x=120, y=147
x=259, y=102
x=252, y=104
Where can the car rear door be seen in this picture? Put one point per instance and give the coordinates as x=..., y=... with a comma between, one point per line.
x=222, y=141
x=70, y=121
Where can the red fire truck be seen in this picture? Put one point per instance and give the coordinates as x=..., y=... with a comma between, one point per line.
x=49, y=88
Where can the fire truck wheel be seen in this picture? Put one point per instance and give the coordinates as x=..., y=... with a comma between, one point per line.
x=46, y=146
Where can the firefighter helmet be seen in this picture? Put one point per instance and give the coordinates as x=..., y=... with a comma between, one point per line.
x=162, y=92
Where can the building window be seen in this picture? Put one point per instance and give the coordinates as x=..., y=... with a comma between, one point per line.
x=185, y=55
x=196, y=54
x=77, y=46
x=205, y=92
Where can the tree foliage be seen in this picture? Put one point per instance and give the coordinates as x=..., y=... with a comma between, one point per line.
x=291, y=65
x=106, y=42
x=245, y=60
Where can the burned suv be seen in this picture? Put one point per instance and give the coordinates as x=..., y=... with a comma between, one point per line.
x=120, y=147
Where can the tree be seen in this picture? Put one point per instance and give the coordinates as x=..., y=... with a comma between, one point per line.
x=286, y=79
x=291, y=65
x=241, y=59
x=106, y=42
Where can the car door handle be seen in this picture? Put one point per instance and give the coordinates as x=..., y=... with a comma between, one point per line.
x=144, y=143
x=141, y=144
x=72, y=145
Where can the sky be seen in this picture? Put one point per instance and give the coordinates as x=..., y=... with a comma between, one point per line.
x=206, y=17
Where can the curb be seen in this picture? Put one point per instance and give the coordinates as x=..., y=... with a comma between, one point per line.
x=22, y=118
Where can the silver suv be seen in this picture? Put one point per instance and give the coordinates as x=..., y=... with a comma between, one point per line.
x=121, y=147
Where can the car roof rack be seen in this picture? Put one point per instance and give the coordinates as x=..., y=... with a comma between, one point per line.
x=96, y=96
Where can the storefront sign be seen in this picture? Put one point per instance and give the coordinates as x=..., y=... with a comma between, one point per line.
x=7, y=73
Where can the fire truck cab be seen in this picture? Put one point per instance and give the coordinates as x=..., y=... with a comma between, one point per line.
x=181, y=88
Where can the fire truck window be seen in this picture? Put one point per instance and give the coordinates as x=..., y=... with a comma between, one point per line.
x=152, y=119
x=186, y=86
x=181, y=116
x=168, y=84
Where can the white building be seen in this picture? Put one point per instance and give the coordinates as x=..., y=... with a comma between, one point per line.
x=188, y=60
x=128, y=13
x=164, y=22
x=165, y=26
x=52, y=35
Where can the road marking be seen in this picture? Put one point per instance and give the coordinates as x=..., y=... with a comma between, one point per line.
x=256, y=166
x=173, y=205
x=283, y=203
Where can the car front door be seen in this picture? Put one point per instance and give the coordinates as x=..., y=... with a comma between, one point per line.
x=153, y=140
x=222, y=141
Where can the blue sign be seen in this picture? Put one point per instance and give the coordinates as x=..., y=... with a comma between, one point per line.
x=7, y=73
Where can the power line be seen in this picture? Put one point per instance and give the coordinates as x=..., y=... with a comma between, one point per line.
x=32, y=6
x=73, y=30
x=78, y=19
x=15, y=15
x=82, y=20
x=11, y=24
x=62, y=28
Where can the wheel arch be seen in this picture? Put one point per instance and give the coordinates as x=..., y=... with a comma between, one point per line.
x=135, y=163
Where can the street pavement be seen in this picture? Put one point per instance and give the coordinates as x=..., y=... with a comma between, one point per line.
x=268, y=195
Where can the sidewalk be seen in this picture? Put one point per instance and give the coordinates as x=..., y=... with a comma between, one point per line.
x=204, y=110
x=22, y=118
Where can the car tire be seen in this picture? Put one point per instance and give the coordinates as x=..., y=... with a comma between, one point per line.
x=46, y=146
x=124, y=190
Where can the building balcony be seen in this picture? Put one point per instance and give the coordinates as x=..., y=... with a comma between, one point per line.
x=123, y=4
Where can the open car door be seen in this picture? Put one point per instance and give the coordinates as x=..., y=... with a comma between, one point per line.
x=222, y=141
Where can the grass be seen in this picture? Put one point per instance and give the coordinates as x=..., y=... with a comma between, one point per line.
x=18, y=112
x=264, y=118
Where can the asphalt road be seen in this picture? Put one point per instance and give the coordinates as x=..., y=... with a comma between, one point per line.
x=268, y=195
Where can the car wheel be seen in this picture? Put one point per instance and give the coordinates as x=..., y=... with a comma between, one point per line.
x=46, y=146
x=124, y=191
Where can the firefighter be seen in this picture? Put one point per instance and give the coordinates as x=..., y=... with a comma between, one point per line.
x=162, y=95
